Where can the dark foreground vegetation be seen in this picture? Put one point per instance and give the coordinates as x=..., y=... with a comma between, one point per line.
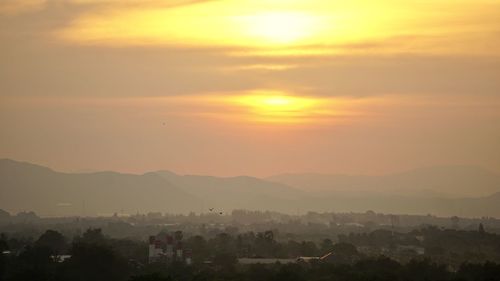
x=92, y=256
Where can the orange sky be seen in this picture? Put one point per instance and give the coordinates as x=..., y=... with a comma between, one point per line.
x=250, y=87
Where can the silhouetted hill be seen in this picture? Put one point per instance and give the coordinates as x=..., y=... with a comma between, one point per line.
x=236, y=192
x=25, y=186
x=442, y=181
x=483, y=206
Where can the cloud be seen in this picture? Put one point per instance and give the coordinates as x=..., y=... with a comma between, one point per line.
x=400, y=64
x=325, y=28
x=466, y=28
x=14, y=7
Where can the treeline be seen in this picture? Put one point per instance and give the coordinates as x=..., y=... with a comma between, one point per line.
x=91, y=256
x=368, y=220
x=378, y=269
x=452, y=247
x=94, y=257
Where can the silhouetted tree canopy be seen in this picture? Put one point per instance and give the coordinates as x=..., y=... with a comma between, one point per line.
x=53, y=241
x=96, y=257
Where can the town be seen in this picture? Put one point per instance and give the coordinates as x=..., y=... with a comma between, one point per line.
x=228, y=243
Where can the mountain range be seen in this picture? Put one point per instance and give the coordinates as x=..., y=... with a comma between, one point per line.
x=442, y=181
x=445, y=191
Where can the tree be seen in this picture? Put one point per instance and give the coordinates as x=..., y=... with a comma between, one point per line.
x=481, y=228
x=269, y=236
x=343, y=253
x=345, y=249
x=95, y=261
x=223, y=243
x=308, y=249
x=381, y=268
x=472, y=272
x=258, y=272
x=53, y=241
x=3, y=258
x=198, y=243
x=426, y=270
x=265, y=245
x=34, y=264
x=326, y=246
x=93, y=235
x=225, y=261
x=178, y=235
x=3, y=242
x=290, y=272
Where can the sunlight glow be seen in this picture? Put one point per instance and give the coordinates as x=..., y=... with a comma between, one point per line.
x=293, y=27
x=279, y=27
x=278, y=107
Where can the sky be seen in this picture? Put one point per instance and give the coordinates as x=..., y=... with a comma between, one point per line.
x=250, y=87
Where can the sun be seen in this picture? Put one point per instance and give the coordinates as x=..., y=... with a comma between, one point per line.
x=276, y=106
x=277, y=101
x=279, y=27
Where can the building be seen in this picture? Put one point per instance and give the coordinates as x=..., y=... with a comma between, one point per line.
x=167, y=247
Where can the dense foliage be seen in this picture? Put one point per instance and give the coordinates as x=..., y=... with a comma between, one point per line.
x=92, y=256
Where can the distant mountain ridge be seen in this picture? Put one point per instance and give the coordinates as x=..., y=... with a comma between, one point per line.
x=442, y=181
x=26, y=187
